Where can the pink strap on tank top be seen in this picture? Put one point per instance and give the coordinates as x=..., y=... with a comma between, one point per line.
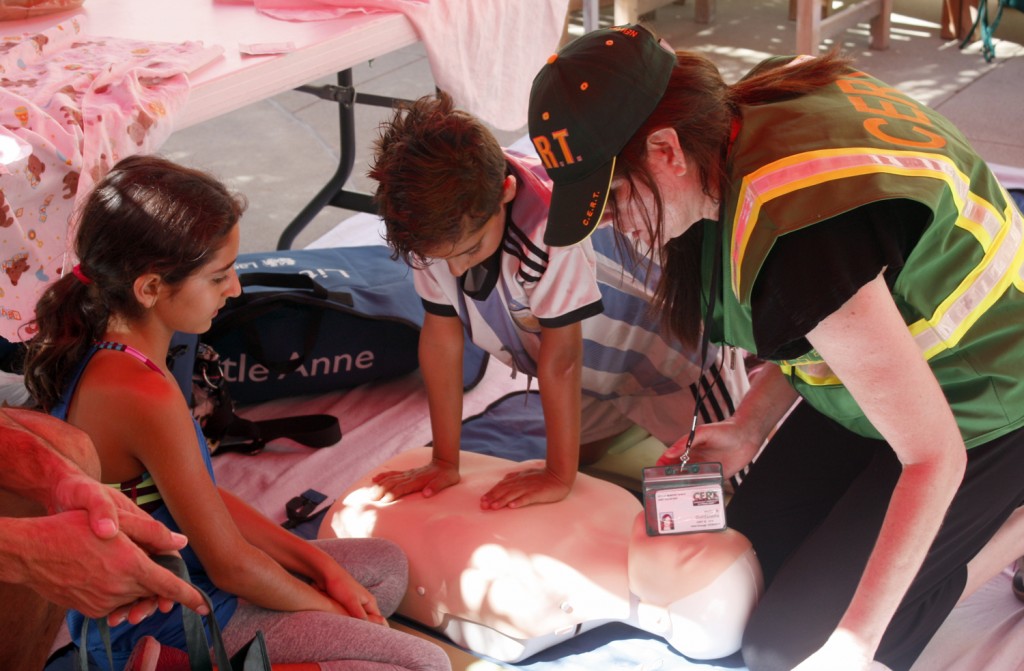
x=128, y=349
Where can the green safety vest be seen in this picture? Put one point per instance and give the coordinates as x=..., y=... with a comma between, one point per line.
x=802, y=161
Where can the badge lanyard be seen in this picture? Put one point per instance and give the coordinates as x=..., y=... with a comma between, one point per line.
x=716, y=271
x=688, y=498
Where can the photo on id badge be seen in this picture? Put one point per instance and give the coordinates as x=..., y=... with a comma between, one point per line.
x=683, y=498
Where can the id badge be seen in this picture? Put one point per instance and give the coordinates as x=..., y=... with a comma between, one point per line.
x=683, y=499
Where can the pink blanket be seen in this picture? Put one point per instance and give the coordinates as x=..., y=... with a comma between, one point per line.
x=71, y=105
x=484, y=53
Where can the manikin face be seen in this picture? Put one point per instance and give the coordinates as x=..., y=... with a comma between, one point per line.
x=683, y=201
x=476, y=247
x=194, y=304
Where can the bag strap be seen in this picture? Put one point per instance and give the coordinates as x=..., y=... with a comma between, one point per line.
x=301, y=282
x=237, y=434
x=195, y=634
x=83, y=648
x=253, y=655
x=250, y=437
x=298, y=281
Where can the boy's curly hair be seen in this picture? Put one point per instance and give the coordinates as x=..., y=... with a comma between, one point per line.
x=440, y=175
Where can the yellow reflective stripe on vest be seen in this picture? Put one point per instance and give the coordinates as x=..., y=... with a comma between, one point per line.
x=998, y=233
x=816, y=374
x=812, y=168
x=999, y=269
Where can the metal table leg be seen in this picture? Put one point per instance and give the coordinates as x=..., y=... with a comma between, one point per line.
x=333, y=193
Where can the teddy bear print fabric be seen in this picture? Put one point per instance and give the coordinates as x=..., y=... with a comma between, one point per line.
x=71, y=105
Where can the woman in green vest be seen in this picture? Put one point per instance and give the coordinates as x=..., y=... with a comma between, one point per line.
x=834, y=227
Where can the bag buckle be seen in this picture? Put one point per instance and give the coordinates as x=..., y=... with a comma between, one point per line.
x=300, y=508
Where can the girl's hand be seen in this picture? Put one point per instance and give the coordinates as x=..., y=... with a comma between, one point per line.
x=726, y=442
x=354, y=599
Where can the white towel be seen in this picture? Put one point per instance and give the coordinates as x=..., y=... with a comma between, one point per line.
x=484, y=53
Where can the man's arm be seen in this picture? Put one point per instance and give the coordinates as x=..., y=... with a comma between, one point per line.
x=60, y=558
x=91, y=554
x=39, y=451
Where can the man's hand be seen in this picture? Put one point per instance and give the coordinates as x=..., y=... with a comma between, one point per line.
x=104, y=505
x=92, y=552
x=65, y=562
x=111, y=514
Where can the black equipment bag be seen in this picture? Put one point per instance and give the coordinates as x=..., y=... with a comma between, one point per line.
x=318, y=320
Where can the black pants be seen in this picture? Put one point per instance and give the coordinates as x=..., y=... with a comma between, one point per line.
x=812, y=506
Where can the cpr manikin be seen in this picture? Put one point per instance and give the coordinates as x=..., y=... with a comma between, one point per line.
x=510, y=583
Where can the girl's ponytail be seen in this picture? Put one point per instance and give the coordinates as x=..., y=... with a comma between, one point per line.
x=69, y=317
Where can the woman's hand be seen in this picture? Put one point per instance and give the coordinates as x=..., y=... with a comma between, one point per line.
x=842, y=652
x=728, y=442
x=735, y=441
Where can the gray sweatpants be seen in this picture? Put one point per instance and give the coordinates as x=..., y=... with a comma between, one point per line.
x=337, y=642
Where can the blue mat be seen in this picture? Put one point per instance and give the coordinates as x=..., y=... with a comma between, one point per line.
x=511, y=427
x=611, y=647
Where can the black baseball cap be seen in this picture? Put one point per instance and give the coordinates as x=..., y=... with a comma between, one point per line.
x=586, y=103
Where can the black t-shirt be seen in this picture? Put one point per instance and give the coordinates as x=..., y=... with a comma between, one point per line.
x=812, y=272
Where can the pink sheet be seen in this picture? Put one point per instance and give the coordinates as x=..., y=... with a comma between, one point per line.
x=71, y=105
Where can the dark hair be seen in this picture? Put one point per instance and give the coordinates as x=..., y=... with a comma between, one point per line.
x=440, y=175
x=147, y=215
x=701, y=108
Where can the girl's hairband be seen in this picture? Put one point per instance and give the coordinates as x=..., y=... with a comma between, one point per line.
x=77, y=272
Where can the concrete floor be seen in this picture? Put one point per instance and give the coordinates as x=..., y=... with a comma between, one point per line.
x=280, y=151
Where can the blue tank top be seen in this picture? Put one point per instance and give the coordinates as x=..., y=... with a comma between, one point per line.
x=165, y=627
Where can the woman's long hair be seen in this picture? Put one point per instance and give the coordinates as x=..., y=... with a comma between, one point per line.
x=701, y=108
x=147, y=215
